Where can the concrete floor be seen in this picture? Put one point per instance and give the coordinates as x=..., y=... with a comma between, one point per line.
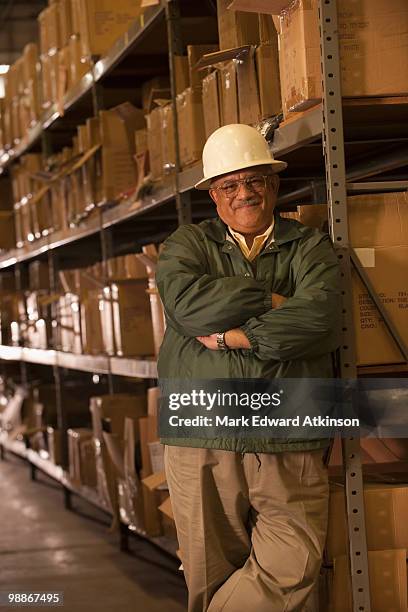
x=43, y=547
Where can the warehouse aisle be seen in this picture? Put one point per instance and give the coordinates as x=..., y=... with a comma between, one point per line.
x=46, y=548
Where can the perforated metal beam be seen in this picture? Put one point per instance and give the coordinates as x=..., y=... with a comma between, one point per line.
x=333, y=145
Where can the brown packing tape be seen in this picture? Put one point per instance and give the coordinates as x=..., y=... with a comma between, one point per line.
x=213, y=59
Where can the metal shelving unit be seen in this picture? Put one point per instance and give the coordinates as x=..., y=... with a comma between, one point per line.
x=38, y=462
x=98, y=364
x=362, y=161
x=123, y=46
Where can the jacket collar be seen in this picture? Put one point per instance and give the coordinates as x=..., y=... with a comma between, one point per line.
x=285, y=230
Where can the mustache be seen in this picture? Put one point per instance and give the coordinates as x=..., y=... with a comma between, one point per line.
x=248, y=202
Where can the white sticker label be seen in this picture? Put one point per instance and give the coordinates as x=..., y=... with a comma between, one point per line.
x=366, y=257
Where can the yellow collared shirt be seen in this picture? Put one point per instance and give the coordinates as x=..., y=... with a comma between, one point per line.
x=257, y=245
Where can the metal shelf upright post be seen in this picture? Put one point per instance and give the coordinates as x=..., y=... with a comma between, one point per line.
x=175, y=46
x=333, y=145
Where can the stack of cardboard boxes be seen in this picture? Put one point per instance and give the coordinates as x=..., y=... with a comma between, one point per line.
x=115, y=312
x=243, y=85
x=20, y=108
x=370, y=54
x=134, y=489
x=378, y=232
x=57, y=193
x=107, y=315
x=71, y=33
x=387, y=541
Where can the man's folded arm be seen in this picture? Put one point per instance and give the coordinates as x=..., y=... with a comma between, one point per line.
x=196, y=303
x=308, y=323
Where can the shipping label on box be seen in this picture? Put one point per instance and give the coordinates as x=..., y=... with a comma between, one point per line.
x=387, y=269
x=102, y=22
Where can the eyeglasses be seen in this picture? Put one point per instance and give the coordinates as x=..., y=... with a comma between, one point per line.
x=255, y=183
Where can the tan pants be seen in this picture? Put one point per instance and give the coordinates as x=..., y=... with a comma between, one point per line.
x=251, y=528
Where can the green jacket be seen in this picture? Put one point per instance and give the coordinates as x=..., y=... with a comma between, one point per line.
x=207, y=286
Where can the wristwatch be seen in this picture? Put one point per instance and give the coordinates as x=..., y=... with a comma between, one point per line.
x=221, y=341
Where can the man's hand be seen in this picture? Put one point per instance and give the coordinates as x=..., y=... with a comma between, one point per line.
x=209, y=342
x=234, y=339
x=277, y=300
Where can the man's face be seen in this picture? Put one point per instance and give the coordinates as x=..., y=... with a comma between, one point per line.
x=247, y=206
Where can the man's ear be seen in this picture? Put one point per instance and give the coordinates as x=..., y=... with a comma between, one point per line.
x=213, y=195
x=275, y=182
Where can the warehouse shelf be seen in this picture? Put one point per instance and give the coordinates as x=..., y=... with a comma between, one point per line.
x=127, y=208
x=83, y=88
x=298, y=131
x=301, y=130
x=11, y=353
x=17, y=447
x=139, y=368
x=39, y=356
x=98, y=364
x=85, y=363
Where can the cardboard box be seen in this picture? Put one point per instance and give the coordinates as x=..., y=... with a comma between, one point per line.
x=385, y=509
x=159, y=87
x=236, y=28
x=229, y=93
x=388, y=582
x=267, y=68
x=42, y=31
x=38, y=275
x=50, y=79
x=387, y=269
x=54, y=445
x=248, y=96
x=132, y=327
x=154, y=142
x=378, y=232
x=30, y=62
x=81, y=453
x=126, y=267
x=91, y=325
x=211, y=102
x=182, y=73
x=70, y=323
x=239, y=94
x=117, y=128
x=117, y=408
x=148, y=427
x=78, y=66
x=194, y=53
x=370, y=54
x=191, y=126
x=104, y=21
x=65, y=24
x=167, y=139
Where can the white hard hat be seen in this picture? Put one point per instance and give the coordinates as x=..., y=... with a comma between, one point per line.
x=232, y=148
